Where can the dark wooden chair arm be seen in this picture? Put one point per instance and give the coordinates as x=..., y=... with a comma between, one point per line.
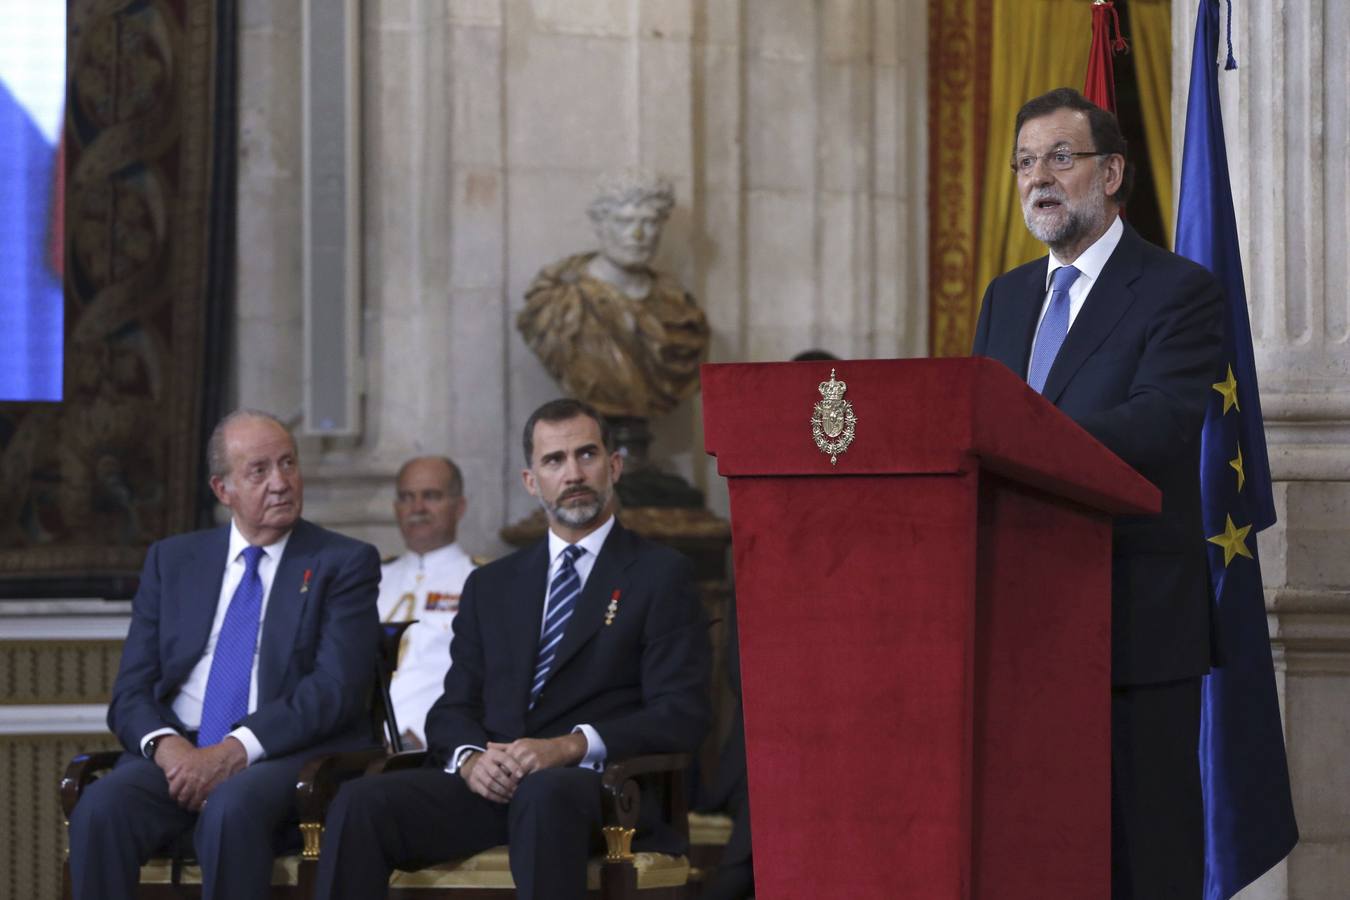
x=322, y=776
x=83, y=769
x=408, y=759
x=624, y=769
x=622, y=794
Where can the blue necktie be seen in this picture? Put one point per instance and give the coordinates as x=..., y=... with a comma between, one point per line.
x=226, y=700
x=562, y=602
x=1053, y=328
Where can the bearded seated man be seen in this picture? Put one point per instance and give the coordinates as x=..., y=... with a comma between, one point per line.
x=588, y=646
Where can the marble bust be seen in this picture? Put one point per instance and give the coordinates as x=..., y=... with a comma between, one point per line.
x=614, y=332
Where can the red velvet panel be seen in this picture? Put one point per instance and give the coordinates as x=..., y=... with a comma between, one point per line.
x=925, y=667
x=1042, y=804
x=856, y=598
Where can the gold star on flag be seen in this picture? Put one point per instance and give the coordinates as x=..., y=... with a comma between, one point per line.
x=1228, y=387
x=1233, y=541
x=1237, y=466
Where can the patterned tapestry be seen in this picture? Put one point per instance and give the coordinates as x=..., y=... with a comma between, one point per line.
x=87, y=483
x=958, y=109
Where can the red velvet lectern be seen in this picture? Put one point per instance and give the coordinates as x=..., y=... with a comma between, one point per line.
x=924, y=627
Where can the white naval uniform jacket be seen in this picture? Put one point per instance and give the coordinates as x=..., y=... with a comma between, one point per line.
x=425, y=588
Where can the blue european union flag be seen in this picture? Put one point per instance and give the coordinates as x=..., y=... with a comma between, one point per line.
x=1249, y=813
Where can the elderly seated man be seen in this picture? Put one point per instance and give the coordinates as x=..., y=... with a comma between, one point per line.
x=251, y=649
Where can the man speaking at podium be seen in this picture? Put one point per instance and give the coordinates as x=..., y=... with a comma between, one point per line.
x=1125, y=338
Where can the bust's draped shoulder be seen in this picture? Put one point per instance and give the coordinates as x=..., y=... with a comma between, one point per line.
x=625, y=357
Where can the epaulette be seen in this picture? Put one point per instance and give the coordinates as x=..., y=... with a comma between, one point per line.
x=480, y=560
x=388, y=559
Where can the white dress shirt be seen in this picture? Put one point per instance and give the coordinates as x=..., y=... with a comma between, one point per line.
x=1089, y=265
x=591, y=543
x=425, y=587
x=188, y=704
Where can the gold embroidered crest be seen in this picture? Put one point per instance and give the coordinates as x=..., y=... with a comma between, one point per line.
x=832, y=419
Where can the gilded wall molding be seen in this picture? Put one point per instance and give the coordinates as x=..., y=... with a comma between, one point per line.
x=958, y=101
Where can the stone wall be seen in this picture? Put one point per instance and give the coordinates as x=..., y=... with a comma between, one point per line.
x=793, y=130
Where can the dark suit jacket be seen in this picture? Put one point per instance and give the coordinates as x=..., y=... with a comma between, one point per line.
x=318, y=640
x=641, y=682
x=1135, y=371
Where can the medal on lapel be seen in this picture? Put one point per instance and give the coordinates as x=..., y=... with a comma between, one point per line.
x=612, y=610
x=304, y=585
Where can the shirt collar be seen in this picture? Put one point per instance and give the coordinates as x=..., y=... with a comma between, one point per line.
x=441, y=556
x=591, y=543
x=1093, y=259
x=238, y=542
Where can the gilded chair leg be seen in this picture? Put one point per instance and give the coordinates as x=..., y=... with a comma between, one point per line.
x=311, y=833
x=618, y=842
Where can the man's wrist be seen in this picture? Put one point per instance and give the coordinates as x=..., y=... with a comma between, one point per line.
x=576, y=745
x=466, y=763
x=152, y=746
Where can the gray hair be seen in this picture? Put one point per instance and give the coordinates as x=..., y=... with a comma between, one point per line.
x=217, y=464
x=614, y=189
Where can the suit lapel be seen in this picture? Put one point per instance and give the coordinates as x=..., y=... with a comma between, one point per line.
x=205, y=568
x=285, y=608
x=525, y=617
x=1025, y=315
x=1106, y=303
x=607, y=576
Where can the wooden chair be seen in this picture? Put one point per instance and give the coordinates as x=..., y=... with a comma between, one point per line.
x=620, y=874
x=176, y=875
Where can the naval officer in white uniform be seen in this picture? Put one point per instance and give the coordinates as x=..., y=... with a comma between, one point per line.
x=424, y=584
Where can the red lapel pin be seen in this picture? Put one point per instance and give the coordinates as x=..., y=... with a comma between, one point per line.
x=613, y=607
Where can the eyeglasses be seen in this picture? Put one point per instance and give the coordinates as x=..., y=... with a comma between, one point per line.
x=1058, y=160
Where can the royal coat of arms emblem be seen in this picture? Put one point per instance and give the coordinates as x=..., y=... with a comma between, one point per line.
x=832, y=419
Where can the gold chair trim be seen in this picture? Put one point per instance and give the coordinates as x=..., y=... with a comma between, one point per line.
x=491, y=869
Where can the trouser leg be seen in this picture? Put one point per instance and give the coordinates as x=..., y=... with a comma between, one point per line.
x=401, y=820
x=735, y=876
x=236, y=834
x=1157, y=809
x=554, y=820
x=121, y=820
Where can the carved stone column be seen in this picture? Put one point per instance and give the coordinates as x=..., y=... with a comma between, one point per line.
x=1288, y=138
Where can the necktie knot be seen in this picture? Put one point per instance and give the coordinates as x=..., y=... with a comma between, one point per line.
x=1063, y=278
x=252, y=556
x=571, y=553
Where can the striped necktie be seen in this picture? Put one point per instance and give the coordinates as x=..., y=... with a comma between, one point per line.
x=227, y=686
x=561, y=603
x=1054, y=328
